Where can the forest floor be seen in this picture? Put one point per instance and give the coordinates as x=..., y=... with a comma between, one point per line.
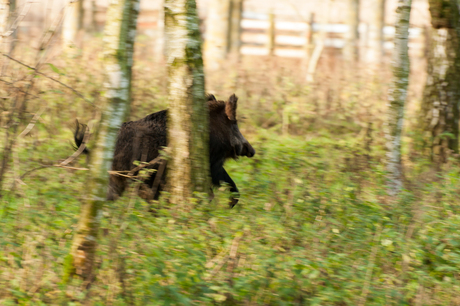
x=314, y=225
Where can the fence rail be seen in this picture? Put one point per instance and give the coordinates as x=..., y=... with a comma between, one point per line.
x=292, y=37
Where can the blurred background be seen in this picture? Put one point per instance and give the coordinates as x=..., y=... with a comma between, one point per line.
x=314, y=225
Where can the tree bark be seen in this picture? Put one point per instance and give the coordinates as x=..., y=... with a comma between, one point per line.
x=351, y=50
x=375, y=51
x=119, y=35
x=217, y=32
x=397, y=97
x=188, y=168
x=440, y=113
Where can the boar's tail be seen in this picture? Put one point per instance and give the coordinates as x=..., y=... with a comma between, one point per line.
x=79, y=136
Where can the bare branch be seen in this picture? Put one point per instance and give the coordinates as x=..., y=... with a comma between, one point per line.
x=51, y=78
x=78, y=152
x=32, y=122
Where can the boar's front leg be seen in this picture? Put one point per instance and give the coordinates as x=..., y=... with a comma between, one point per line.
x=222, y=176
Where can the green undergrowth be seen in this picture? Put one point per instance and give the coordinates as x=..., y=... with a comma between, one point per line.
x=313, y=227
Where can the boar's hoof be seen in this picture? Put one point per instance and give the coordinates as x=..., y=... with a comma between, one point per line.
x=233, y=202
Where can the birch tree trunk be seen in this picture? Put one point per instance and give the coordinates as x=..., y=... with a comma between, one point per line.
x=440, y=113
x=375, y=49
x=397, y=97
x=351, y=50
x=119, y=34
x=217, y=32
x=188, y=168
x=73, y=22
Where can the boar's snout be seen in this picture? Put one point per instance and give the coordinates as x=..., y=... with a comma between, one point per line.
x=248, y=150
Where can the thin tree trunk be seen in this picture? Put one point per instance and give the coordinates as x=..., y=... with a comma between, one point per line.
x=159, y=46
x=440, y=113
x=71, y=24
x=351, y=50
x=271, y=34
x=397, y=97
x=4, y=13
x=236, y=12
x=8, y=143
x=217, y=25
x=14, y=36
x=188, y=169
x=119, y=37
x=375, y=49
x=94, y=26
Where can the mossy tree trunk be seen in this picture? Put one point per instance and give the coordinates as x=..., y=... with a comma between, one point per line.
x=397, y=97
x=217, y=33
x=119, y=34
x=440, y=109
x=188, y=168
x=351, y=49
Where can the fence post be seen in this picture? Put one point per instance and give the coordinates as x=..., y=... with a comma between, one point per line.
x=271, y=34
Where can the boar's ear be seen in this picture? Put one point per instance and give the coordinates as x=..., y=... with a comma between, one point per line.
x=230, y=107
x=210, y=97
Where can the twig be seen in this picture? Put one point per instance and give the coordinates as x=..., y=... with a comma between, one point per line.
x=71, y=168
x=34, y=169
x=32, y=122
x=120, y=174
x=152, y=162
x=19, y=89
x=51, y=78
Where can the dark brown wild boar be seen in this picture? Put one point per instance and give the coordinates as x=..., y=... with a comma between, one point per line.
x=142, y=140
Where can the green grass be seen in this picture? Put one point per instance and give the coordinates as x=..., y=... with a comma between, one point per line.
x=313, y=227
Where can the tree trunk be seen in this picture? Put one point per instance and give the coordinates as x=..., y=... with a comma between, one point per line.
x=94, y=26
x=440, y=111
x=397, y=97
x=188, y=168
x=236, y=11
x=217, y=25
x=14, y=36
x=375, y=49
x=351, y=50
x=72, y=23
x=159, y=46
x=4, y=13
x=119, y=37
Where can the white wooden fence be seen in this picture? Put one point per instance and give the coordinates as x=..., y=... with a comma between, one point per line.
x=291, y=37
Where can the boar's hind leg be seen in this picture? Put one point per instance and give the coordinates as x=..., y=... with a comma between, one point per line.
x=116, y=187
x=222, y=176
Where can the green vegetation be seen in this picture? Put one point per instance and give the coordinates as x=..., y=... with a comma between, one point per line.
x=314, y=225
